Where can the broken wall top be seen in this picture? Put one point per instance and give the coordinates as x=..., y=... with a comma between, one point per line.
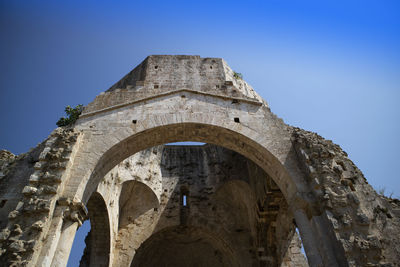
x=162, y=75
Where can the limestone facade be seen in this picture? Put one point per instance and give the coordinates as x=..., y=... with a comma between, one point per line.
x=234, y=202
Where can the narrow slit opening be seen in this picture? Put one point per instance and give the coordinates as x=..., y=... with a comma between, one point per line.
x=184, y=200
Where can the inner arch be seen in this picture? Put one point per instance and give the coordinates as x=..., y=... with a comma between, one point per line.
x=136, y=198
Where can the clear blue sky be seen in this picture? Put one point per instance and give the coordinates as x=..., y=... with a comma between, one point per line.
x=332, y=67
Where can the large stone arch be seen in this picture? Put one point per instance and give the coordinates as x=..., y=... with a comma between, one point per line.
x=201, y=128
x=246, y=126
x=187, y=98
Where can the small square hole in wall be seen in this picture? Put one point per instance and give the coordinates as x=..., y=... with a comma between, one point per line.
x=155, y=67
x=217, y=86
x=235, y=101
x=156, y=86
x=183, y=96
x=210, y=67
x=236, y=120
x=134, y=121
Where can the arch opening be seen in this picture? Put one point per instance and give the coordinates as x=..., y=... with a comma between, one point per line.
x=294, y=254
x=223, y=192
x=97, y=244
x=194, y=132
x=242, y=140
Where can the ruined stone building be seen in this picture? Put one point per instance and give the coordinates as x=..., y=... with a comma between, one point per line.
x=235, y=201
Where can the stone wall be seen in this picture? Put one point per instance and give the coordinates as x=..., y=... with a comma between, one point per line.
x=365, y=223
x=30, y=187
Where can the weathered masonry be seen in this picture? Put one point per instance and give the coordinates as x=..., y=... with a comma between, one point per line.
x=235, y=201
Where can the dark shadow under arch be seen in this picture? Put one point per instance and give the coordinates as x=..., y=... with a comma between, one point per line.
x=238, y=201
x=184, y=246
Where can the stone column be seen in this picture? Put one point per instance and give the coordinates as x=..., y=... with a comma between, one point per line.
x=332, y=254
x=52, y=239
x=308, y=238
x=65, y=244
x=74, y=215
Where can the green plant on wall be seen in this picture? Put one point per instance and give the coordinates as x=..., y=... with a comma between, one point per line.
x=72, y=116
x=237, y=75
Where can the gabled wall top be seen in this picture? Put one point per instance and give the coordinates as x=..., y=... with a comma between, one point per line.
x=163, y=74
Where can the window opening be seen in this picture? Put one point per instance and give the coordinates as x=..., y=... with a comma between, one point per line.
x=184, y=200
x=184, y=197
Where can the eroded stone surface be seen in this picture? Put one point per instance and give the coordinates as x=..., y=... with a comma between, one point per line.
x=364, y=222
x=30, y=187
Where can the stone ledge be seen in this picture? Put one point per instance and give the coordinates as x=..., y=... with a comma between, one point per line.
x=250, y=101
